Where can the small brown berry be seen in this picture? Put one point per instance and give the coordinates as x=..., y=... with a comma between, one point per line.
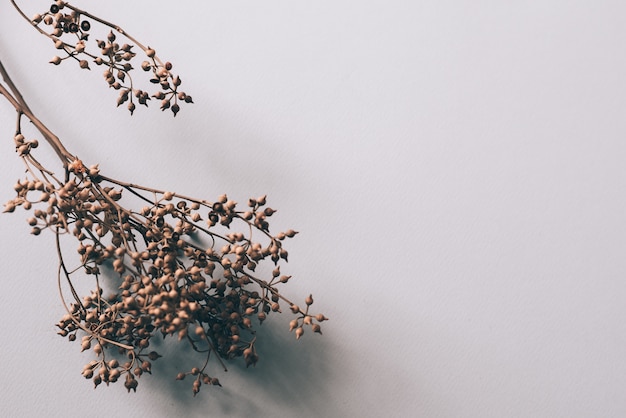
x=299, y=333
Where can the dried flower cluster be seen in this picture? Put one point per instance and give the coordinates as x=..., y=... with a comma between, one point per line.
x=180, y=266
x=70, y=29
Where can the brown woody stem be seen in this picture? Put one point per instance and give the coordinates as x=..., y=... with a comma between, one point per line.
x=17, y=101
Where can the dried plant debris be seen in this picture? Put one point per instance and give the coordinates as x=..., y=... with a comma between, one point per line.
x=74, y=34
x=183, y=267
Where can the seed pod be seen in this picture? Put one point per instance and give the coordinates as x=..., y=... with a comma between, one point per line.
x=80, y=46
x=146, y=366
x=299, y=333
x=196, y=386
x=150, y=52
x=293, y=325
x=84, y=64
x=86, y=344
x=320, y=318
x=161, y=72
x=55, y=60
x=130, y=383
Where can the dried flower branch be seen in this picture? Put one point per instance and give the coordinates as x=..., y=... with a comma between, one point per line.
x=183, y=270
x=70, y=29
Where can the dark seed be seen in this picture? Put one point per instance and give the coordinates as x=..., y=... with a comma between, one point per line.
x=85, y=25
x=54, y=8
x=73, y=27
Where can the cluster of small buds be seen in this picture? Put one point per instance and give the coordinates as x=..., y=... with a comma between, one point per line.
x=24, y=147
x=173, y=266
x=209, y=297
x=67, y=21
x=110, y=371
x=200, y=378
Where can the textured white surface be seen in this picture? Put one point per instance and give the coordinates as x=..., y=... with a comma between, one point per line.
x=456, y=170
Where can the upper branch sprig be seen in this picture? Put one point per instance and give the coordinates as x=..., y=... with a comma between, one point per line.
x=70, y=29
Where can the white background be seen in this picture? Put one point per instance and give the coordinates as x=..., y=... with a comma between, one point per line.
x=456, y=170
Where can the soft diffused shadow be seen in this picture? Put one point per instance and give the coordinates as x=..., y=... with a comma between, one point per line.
x=290, y=375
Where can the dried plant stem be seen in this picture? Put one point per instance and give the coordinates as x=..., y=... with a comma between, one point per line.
x=15, y=98
x=153, y=240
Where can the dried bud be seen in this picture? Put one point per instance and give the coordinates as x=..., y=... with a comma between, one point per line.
x=161, y=72
x=130, y=383
x=55, y=60
x=299, y=333
x=293, y=325
x=94, y=171
x=9, y=207
x=320, y=318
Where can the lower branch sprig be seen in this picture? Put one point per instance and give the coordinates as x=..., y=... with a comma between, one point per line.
x=184, y=266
